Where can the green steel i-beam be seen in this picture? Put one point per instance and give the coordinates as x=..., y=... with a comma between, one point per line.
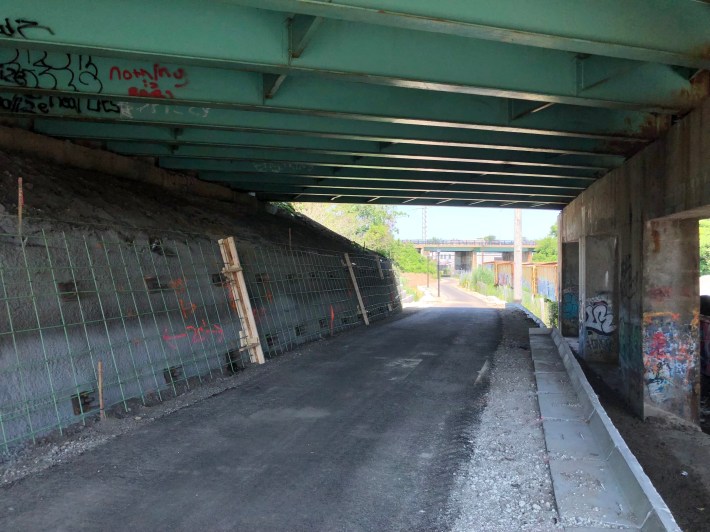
x=340, y=159
x=88, y=108
x=517, y=147
x=234, y=37
x=658, y=31
x=381, y=172
x=255, y=182
x=145, y=82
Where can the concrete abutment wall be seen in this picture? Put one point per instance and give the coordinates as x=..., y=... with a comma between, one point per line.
x=637, y=236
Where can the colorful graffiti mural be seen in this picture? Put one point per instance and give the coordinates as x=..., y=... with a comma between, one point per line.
x=670, y=349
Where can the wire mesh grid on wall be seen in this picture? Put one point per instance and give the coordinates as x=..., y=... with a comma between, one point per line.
x=299, y=295
x=154, y=310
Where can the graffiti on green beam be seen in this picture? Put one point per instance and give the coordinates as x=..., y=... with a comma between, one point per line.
x=130, y=110
x=17, y=27
x=34, y=69
x=38, y=69
x=149, y=81
x=45, y=105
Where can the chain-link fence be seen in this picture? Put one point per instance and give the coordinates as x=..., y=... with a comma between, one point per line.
x=155, y=310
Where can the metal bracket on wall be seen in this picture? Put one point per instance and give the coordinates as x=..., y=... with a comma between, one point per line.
x=235, y=276
x=357, y=290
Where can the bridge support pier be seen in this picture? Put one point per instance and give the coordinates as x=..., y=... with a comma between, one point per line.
x=597, y=297
x=463, y=260
x=671, y=303
x=637, y=232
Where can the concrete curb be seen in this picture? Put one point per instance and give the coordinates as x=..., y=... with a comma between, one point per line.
x=646, y=503
x=635, y=483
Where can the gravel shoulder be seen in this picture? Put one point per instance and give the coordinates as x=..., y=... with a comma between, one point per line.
x=507, y=485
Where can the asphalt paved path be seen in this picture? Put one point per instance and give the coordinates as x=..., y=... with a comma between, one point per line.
x=361, y=432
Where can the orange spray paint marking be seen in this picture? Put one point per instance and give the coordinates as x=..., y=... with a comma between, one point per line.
x=332, y=319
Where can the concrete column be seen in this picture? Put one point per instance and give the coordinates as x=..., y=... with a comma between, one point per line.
x=598, y=300
x=671, y=303
x=569, y=289
x=462, y=261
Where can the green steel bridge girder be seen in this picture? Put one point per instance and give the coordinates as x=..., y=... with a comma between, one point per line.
x=514, y=147
x=411, y=159
x=141, y=82
x=182, y=115
x=330, y=191
x=251, y=181
x=407, y=199
x=190, y=34
x=673, y=33
x=496, y=175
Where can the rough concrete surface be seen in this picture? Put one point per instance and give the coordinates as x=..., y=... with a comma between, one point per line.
x=367, y=431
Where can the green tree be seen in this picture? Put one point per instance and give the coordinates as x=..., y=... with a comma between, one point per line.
x=704, y=247
x=409, y=259
x=489, y=238
x=373, y=226
x=546, y=249
x=353, y=221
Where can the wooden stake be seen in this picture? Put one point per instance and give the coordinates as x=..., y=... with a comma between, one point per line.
x=102, y=413
x=379, y=266
x=20, y=205
x=357, y=290
x=233, y=271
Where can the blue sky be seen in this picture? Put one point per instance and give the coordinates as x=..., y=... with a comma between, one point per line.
x=466, y=223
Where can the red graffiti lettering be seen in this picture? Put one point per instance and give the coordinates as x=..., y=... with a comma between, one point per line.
x=197, y=334
x=158, y=82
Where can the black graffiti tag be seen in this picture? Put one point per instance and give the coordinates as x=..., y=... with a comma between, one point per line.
x=43, y=105
x=34, y=69
x=599, y=317
x=18, y=26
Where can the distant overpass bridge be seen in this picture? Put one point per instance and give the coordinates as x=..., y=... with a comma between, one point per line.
x=478, y=246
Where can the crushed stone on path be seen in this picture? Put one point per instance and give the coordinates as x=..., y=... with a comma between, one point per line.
x=507, y=485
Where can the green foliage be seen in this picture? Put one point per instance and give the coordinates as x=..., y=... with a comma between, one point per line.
x=371, y=226
x=368, y=225
x=489, y=238
x=478, y=279
x=704, y=247
x=546, y=250
x=408, y=259
x=553, y=313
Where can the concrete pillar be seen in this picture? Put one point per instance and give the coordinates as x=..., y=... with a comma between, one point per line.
x=518, y=257
x=462, y=261
x=598, y=299
x=569, y=289
x=671, y=304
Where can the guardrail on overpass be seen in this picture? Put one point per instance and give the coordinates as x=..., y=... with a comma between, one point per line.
x=472, y=243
